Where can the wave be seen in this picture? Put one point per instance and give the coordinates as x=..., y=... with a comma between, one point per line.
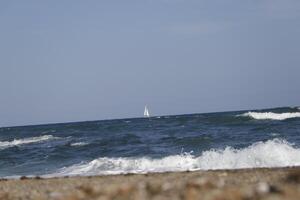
x=17, y=142
x=271, y=115
x=79, y=144
x=272, y=153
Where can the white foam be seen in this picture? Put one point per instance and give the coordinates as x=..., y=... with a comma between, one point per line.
x=78, y=143
x=273, y=153
x=16, y=142
x=271, y=115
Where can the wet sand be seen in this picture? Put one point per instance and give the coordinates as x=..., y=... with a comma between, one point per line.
x=244, y=184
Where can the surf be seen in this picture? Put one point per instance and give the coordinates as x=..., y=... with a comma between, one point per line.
x=272, y=153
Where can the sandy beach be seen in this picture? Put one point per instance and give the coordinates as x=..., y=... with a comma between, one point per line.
x=276, y=183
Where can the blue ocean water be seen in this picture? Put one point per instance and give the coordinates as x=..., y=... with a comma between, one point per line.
x=227, y=140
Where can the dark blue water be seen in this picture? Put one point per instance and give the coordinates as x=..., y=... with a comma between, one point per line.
x=264, y=138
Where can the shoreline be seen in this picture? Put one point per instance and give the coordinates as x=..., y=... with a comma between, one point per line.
x=45, y=177
x=253, y=183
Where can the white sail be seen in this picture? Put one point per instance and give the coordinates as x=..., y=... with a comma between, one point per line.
x=146, y=112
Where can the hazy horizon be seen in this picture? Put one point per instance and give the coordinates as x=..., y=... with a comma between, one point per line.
x=141, y=116
x=80, y=61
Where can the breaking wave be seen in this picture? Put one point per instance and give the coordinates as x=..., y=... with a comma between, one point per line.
x=271, y=115
x=272, y=153
x=17, y=142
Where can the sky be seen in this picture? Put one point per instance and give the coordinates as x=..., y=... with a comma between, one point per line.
x=64, y=61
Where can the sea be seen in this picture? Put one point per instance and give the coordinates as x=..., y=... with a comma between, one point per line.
x=209, y=141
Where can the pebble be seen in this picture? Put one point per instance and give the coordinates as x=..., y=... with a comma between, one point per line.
x=55, y=195
x=263, y=188
x=167, y=186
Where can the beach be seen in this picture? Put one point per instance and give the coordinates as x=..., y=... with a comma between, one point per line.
x=264, y=183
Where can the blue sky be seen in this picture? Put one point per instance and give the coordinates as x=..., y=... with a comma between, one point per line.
x=66, y=61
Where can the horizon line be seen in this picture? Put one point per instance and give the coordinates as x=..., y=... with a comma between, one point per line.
x=141, y=117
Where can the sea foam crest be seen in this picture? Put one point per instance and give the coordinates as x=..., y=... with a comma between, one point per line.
x=272, y=153
x=16, y=142
x=271, y=115
x=79, y=144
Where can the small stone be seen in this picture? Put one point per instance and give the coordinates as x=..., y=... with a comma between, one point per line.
x=221, y=183
x=23, y=177
x=263, y=188
x=275, y=189
x=55, y=195
x=166, y=186
x=223, y=174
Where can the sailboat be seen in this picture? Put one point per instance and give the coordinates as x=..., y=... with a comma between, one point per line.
x=146, y=112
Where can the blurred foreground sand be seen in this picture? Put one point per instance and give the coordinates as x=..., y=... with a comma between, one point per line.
x=244, y=184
